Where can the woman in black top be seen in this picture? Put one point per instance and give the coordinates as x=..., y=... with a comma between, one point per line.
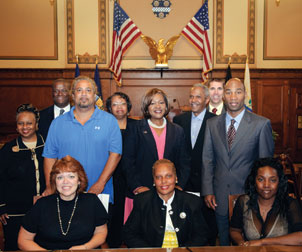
x=21, y=173
x=266, y=215
x=68, y=219
x=119, y=105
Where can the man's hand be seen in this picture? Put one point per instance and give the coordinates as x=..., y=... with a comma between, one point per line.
x=3, y=218
x=210, y=201
x=47, y=192
x=97, y=188
x=179, y=188
x=142, y=189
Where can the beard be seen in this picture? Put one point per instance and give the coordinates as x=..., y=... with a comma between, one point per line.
x=85, y=104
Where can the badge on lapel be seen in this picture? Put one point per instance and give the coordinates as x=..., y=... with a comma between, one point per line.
x=182, y=215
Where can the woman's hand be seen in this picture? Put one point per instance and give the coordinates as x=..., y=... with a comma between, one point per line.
x=3, y=218
x=79, y=247
x=255, y=243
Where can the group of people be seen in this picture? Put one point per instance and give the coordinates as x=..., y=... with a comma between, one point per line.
x=149, y=182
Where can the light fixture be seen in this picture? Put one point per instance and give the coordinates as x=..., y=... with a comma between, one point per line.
x=278, y=2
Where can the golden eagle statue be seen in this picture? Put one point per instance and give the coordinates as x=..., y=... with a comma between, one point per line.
x=159, y=52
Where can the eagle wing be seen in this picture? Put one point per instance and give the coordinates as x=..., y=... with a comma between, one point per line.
x=170, y=45
x=152, y=46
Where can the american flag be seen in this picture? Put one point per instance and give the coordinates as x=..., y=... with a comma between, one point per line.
x=197, y=32
x=125, y=32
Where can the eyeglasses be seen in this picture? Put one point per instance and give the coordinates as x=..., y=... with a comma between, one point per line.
x=119, y=104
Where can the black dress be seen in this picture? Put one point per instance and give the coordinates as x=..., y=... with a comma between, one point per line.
x=18, y=185
x=114, y=238
x=43, y=220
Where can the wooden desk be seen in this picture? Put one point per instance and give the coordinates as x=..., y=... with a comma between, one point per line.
x=206, y=249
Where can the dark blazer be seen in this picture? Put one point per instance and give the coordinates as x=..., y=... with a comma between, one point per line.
x=224, y=171
x=146, y=224
x=184, y=120
x=140, y=153
x=18, y=176
x=46, y=117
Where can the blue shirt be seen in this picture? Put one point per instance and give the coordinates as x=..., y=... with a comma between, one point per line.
x=90, y=143
x=238, y=118
x=196, y=122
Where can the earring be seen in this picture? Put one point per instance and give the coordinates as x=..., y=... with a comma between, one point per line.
x=153, y=184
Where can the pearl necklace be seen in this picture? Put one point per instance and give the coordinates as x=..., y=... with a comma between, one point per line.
x=59, y=215
x=153, y=125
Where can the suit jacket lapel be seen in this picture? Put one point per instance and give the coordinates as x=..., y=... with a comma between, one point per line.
x=52, y=112
x=200, y=137
x=222, y=131
x=243, y=128
x=169, y=134
x=148, y=136
x=187, y=128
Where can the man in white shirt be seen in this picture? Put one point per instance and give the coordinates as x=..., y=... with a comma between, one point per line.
x=61, y=99
x=216, y=104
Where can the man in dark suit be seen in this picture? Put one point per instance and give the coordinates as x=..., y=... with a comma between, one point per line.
x=233, y=141
x=194, y=125
x=216, y=104
x=61, y=96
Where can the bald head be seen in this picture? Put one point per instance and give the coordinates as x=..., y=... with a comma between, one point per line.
x=234, y=95
x=235, y=80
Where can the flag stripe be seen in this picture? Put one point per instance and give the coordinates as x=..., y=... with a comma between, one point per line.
x=197, y=32
x=125, y=32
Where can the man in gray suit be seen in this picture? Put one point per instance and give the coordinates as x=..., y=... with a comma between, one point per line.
x=233, y=141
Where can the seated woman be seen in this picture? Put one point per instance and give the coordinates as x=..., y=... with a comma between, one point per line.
x=67, y=219
x=166, y=217
x=266, y=215
x=21, y=174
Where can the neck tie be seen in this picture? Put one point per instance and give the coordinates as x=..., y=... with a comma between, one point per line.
x=231, y=133
x=61, y=112
x=214, y=110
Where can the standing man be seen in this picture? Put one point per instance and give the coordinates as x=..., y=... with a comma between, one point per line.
x=216, y=105
x=194, y=125
x=60, y=96
x=232, y=142
x=88, y=134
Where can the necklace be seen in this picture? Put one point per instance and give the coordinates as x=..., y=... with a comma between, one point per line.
x=59, y=215
x=156, y=126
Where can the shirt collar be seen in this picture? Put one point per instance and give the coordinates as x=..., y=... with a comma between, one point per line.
x=219, y=107
x=169, y=202
x=237, y=118
x=200, y=116
x=66, y=109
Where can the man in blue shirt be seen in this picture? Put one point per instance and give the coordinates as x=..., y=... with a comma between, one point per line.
x=90, y=135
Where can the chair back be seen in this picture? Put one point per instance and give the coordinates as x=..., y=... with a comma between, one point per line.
x=232, y=201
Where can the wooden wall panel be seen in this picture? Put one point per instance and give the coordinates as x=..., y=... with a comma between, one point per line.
x=273, y=93
x=272, y=103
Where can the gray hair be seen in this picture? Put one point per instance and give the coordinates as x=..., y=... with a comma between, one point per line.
x=204, y=87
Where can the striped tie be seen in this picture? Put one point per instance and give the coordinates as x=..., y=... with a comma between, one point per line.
x=231, y=133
